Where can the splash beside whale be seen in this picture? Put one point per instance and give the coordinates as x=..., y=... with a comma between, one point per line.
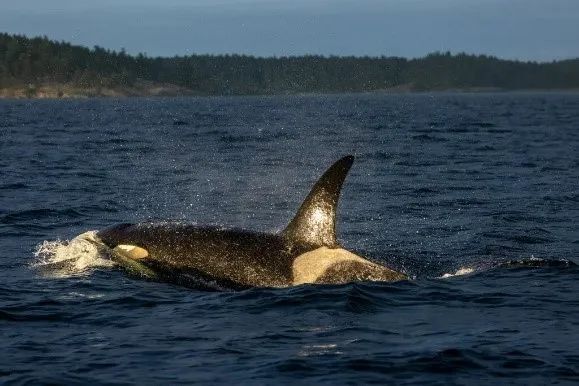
x=307, y=251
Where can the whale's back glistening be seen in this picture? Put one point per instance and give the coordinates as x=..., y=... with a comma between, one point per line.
x=307, y=251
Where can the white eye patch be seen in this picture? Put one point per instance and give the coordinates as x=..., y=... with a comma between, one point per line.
x=131, y=251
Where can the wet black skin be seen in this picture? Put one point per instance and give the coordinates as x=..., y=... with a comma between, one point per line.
x=231, y=257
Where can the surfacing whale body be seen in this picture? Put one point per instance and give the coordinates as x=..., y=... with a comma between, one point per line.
x=305, y=252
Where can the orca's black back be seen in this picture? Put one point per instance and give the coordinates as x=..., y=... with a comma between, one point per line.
x=230, y=255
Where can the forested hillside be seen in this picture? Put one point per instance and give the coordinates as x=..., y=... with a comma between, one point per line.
x=33, y=64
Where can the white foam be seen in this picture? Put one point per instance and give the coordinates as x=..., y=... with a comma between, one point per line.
x=69, y=258
x=460, y=272
x=319, y=349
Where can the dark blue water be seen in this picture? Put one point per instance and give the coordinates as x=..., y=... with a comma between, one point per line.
x=441, y=183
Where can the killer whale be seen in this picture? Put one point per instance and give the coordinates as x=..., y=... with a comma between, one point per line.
x=306, y=251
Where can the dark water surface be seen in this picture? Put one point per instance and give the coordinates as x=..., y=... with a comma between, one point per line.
x=441, y=183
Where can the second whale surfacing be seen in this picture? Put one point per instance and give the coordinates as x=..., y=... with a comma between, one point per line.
x=306, y=251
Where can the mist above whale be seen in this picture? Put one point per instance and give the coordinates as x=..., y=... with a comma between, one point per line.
x=306, y=251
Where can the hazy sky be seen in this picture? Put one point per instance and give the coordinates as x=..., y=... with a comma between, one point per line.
x=519, y=29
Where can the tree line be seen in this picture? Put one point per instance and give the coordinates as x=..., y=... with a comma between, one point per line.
x=39, y=60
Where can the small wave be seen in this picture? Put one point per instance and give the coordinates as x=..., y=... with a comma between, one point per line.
x=523, y=263
x=460, y=272
x=69, y=258
x=537, y=262
x=15, y=217
x=425, y=190
x=14, y=186
x=483, y=124
x=236, y=138
x=428, y=138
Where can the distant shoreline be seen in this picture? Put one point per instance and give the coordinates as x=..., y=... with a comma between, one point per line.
x=43, y=68
x=70, y=91
x=150, y=89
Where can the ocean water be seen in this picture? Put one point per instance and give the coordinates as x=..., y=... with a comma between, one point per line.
x=445, y=187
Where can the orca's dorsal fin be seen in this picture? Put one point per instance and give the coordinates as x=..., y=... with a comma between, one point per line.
x=315, y=223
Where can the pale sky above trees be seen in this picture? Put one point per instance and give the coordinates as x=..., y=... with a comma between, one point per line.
x=540, y=30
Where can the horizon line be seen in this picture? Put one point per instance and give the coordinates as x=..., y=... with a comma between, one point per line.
x=305, y=55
